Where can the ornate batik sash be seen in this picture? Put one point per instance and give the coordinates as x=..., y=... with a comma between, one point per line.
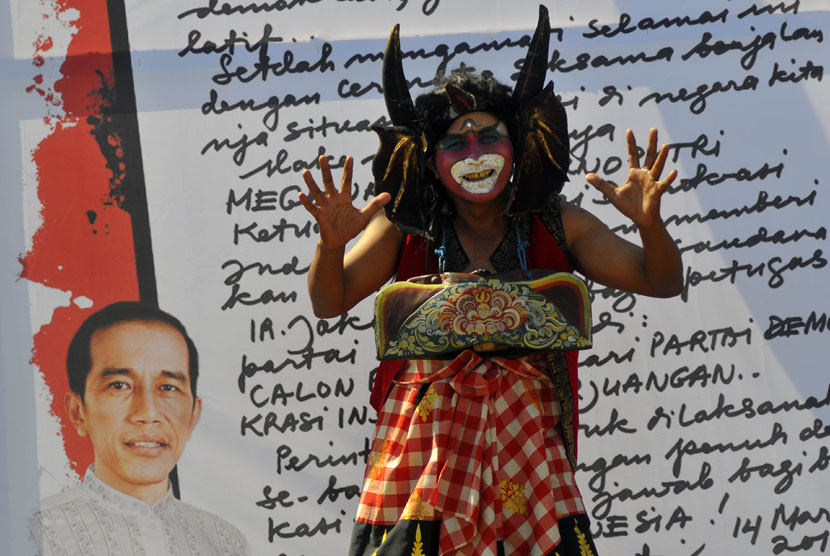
x=439, y=316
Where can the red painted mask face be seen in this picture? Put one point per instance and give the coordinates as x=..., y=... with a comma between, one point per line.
x=475, y=158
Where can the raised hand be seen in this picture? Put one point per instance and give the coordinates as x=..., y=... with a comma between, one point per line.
x=639, y=197
x=339, y=221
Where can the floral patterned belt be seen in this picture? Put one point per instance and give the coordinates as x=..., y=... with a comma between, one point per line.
x=439, y=316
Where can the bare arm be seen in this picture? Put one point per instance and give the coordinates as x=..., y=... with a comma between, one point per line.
x=655, y=268
x=338, y=281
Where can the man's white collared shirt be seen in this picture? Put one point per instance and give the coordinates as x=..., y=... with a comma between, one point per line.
x=94, y=519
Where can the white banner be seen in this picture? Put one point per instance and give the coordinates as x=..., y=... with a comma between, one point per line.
x=704, y=418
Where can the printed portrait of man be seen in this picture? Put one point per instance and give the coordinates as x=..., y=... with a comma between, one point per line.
x=132, y=371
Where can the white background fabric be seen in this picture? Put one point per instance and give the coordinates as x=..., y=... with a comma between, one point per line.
x=758, y=207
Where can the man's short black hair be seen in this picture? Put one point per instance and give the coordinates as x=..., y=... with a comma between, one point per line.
x=79, y=357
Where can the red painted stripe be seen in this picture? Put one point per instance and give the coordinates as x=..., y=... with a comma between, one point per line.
x=85, y=244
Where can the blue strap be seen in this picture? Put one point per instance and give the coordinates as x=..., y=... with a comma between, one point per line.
x=442, y=251
x=521, y=245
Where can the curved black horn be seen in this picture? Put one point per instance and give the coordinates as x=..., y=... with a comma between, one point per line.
x=395, y=90
x=532, y=77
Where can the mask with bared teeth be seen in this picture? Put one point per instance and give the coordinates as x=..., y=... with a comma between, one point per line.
x=531, y=115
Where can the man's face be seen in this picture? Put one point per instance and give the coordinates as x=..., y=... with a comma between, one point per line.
x=138, y=407
x=475, y=158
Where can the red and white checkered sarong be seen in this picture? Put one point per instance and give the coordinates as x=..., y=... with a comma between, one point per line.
x=476, y=444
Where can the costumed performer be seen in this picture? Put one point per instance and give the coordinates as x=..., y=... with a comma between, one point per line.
x=474, y=450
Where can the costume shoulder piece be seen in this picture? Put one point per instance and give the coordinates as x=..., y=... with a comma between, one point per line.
x=533, y=113
x=397, y=169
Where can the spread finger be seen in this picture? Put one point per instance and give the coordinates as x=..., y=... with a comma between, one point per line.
x=318, y=195
x=651, y=151
x=633, y=155
x=660, y=163
x=325, y=169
